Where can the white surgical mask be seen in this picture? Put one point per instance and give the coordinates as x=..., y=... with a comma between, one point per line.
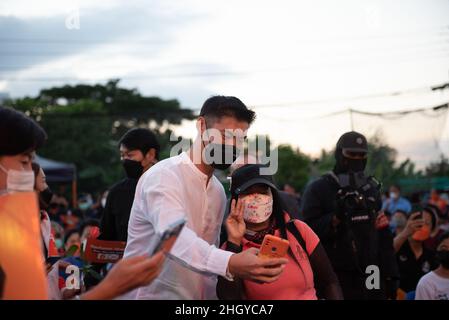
x=393, y=195
x=18, y=180
x=258, y=207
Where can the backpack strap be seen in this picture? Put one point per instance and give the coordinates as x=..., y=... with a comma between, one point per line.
x=291, y=227
x=332, y=178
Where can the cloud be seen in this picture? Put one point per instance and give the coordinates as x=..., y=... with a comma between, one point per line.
x=294, y=51
x=26, y=42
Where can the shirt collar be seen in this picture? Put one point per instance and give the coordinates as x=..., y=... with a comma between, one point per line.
x=197, y=172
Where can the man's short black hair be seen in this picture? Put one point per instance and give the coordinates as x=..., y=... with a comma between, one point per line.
x=140, y=139
x=219, y=106
x=19, y=133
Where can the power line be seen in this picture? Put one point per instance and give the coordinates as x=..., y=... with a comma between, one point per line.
x=437, y=31
x=156, y=76
x=401, y=46
x=77, y=41
x=389, y=115
x=398, y=113
x=367, y=96
x=207, y=74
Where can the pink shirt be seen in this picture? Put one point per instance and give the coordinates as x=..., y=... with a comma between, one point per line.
x=296, y=282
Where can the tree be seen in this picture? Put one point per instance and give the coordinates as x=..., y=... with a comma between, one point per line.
x=439, y=168
x=293, y=167
x=84, y=123
x=323, y=164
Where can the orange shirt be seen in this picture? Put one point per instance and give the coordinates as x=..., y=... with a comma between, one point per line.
x=296, y=282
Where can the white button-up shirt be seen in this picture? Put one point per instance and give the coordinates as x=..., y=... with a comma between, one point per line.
x=172, y=189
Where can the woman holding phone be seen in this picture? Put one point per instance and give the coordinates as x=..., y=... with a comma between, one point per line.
x=256, y=210
x=413, y=257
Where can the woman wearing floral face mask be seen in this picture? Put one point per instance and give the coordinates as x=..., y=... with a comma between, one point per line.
x=257, y=210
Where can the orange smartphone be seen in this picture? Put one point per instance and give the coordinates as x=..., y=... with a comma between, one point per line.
x=273, y=247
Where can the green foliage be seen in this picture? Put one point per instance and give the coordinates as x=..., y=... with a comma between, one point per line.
x=85, y=122
x=438, y=168
x=293, y=167
x=87, y=268
x=71, y=251
x=324, y=163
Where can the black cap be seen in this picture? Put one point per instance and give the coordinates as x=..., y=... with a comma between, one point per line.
x=247, y=176
x=353, y=142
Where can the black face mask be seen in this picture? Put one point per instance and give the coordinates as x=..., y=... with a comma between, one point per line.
x=228, y=155
x=344, y=165
x=133, y=169
x=45, y=198
x=443, y=258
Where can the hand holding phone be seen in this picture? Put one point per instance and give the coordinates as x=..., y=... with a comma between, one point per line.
x=273, y=247
x=169, y=236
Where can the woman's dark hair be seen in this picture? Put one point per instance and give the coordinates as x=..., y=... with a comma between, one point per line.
x=36, y=168
x=435, y=210
x=69, y=233
x=219, y=106
x=279, y=212
x=432, y=210
x=19, y=133
x=442, y=237
x=140, y=139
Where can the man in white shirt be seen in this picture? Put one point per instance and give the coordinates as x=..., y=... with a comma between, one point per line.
x=184, y=186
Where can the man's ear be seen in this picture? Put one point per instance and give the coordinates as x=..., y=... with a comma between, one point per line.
x=201, y=124
x=151, y=156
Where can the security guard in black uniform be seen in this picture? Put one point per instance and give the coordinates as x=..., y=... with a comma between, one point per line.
x=342, y=207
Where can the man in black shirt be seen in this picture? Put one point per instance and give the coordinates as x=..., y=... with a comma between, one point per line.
x=342, y=207
x=139, y=150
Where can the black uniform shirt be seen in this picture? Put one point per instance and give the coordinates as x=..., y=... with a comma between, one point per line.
x=114, y=223
x=412, y=269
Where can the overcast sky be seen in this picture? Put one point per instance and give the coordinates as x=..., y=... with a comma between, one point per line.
x=292, y=61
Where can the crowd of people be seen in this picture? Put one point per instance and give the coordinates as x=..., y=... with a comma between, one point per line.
x=347, y=238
